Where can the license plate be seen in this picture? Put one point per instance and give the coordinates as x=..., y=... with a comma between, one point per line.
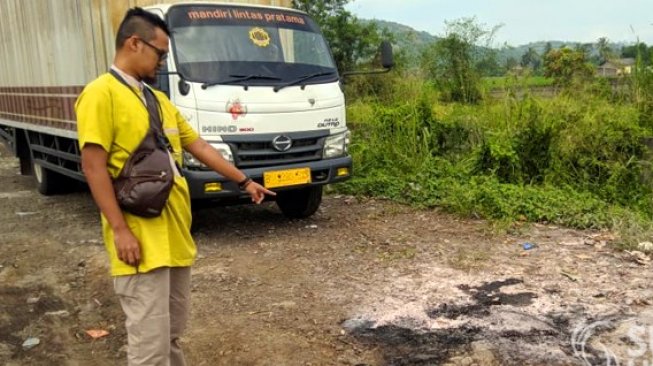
x=285, y=178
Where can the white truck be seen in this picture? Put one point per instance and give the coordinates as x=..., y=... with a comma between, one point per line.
x=257, y=82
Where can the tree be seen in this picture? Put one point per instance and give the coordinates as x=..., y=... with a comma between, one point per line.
x=566, y=66
x=489, y=65
x=585, y=48
x=531, y=59
x=605, y=51
x=511, y=63
x=548, y=48
x=351, y=41
x=638, y=51
x=453, y=62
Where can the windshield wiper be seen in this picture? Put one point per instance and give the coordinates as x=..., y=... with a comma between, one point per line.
x=303, y=78
x=238, y=78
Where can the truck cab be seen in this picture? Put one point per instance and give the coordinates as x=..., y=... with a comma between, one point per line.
x=261, y=86
x=257, y=82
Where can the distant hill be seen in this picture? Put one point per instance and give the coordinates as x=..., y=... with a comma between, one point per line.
x=413, y=43
x=407, y=39
x=404, y=31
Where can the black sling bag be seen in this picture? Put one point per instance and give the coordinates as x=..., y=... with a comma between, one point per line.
x=143, y=185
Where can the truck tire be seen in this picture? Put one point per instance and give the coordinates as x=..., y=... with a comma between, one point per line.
x=47, y=181
x=300, y=203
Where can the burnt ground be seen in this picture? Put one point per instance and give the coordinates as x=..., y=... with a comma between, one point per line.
x=363, y=282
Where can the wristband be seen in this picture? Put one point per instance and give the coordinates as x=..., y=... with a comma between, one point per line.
x=244, y=183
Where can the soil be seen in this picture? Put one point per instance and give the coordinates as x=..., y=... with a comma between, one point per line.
x=363, y=282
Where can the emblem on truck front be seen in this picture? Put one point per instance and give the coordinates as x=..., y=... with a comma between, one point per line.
x=282, y=143
x=236, y=108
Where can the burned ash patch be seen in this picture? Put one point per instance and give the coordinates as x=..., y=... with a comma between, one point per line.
x=402, y=346
x=494, y=324
x=484, y=297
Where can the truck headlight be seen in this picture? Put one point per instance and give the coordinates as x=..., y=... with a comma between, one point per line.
x=224, y=149
x=191, y=162
x=337, y=145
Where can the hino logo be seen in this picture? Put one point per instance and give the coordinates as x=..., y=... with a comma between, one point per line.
x=220, y=129
x=282, y=143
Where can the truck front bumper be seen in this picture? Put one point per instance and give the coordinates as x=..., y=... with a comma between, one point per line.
x=204, y=184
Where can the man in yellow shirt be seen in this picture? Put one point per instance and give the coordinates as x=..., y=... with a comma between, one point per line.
x=150, y=257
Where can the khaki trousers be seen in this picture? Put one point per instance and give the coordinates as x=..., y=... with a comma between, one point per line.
x=156, y=304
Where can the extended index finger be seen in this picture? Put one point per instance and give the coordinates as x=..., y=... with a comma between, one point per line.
x=269, y=192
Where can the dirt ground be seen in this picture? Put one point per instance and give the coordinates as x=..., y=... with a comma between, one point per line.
x=363, y=282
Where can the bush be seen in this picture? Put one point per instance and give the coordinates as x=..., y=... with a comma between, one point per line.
x=576, y=159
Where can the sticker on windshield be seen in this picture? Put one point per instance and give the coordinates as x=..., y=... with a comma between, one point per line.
x=259, y=36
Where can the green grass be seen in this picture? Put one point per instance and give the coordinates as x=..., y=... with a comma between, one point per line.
x=500, y=82
x=576, y=159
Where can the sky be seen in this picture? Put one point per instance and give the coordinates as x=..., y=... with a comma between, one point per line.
x=523, y=21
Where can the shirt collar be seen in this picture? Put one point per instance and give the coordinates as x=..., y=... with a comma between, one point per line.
x=128, y=78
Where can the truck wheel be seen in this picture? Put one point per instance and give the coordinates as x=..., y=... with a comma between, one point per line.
x=300, y=203
x=47, y=181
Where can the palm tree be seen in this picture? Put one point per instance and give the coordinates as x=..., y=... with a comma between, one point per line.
x=606, y=52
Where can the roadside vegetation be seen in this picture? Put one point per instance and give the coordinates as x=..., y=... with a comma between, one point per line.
x=497, y=82
x=433, y=136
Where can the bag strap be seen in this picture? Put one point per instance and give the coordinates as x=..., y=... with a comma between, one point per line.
x=150, y=100
x=153, y=108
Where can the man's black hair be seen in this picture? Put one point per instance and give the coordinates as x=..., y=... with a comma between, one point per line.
x=141, y=23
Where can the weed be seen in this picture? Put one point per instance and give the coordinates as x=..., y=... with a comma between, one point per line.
x=580, y=158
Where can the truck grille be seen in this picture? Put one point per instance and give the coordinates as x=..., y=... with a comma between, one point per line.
x=257, y=150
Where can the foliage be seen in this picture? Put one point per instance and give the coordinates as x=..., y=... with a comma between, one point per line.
x=505, y=58
x=450, y=66
x=642, y=90
x=489, y=65
x=639, y=50
x=577, y=159
x=506, y=81
x=453, y=62
x=429, y=136
x=531, y=59
x=511, y=64
x=407, y=42
x=606, y=53
x=351, y=40
x=547, y=49
x=566, y=66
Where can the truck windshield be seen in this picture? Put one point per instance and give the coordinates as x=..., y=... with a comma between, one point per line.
x=213, y=42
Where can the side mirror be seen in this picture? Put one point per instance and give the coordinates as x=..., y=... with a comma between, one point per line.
x=184, y=87
x=387, y=62
x=387, y=58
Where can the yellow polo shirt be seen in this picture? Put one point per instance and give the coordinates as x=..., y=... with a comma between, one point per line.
x=111, y=116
